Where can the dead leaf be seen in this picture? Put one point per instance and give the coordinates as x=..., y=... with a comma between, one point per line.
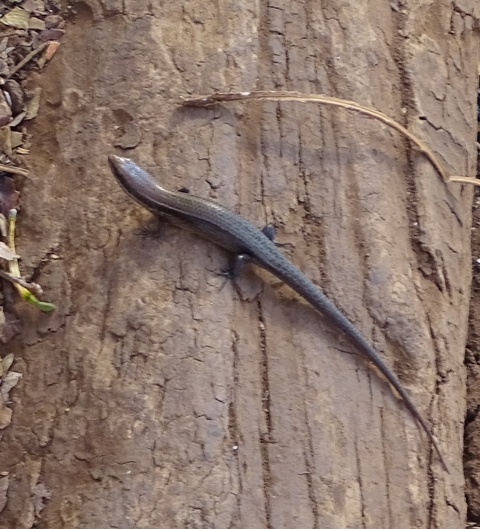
x=39, y=6
x=51, y=49
x=17, y=139
x=36, y=23
x=16, y=18
x=33, y=103
x=7, y=362
x=10, y=380
x=6, y=253
x=17, y=119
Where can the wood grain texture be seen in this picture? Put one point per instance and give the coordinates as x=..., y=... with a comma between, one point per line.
x=155, y=399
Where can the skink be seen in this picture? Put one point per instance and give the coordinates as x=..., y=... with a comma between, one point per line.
x=234, y=233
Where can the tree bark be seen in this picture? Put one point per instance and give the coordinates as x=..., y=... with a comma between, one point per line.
x=153, y=398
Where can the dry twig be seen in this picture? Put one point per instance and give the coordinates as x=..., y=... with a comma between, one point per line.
x=33, y=287
x=336, y=102
x=14, y=170
x=27, y=59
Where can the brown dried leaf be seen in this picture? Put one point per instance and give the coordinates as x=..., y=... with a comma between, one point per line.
x=52, y=48
x=16, y=18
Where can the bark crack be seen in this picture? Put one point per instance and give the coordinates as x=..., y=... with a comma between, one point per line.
x=266, y=438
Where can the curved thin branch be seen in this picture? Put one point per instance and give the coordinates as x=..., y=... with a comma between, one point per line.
x=336, y=102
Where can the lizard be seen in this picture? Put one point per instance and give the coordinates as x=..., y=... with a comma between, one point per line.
x=227, y=229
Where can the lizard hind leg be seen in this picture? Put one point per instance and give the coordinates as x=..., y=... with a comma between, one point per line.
x=153, y=229
x=269, y=232
x=231, y=273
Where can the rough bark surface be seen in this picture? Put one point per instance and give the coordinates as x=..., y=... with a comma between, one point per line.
x=152, y=398
x=472, y=420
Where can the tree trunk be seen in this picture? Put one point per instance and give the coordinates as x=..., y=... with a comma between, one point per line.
x=154, y=398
